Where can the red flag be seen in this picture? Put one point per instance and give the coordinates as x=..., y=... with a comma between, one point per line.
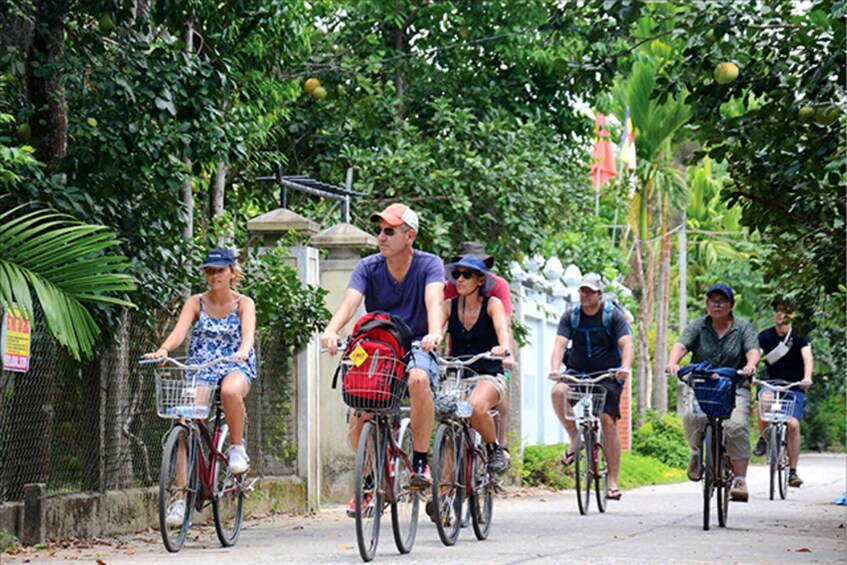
x=602, y=159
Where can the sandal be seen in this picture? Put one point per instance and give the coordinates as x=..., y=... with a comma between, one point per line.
x=613, y=494
x=567, y=458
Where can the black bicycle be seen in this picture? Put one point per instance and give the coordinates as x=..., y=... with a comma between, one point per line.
x=713, y=398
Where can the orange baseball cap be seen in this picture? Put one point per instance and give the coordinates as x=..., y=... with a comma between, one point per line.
x=396, y=215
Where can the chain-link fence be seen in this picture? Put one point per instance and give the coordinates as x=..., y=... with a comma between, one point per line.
x=92, y=426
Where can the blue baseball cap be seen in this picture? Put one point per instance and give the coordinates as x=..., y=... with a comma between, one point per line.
x=723, y=289
x=219, y=257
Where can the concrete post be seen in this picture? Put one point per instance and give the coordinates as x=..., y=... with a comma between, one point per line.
x=344, y=243
x=35, y=514
x=271, y=227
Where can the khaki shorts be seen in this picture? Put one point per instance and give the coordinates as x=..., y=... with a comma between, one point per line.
x=499, y=382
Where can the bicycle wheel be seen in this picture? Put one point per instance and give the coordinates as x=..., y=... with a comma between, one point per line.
x=782, y=461
x=773, y=458
x=601, y=477
x=404, y=508
x=479, y=490
x=227, y=494
x=176, y=486
x=447, y=491
x=723, y=476
x=582, y=467
x=707, y=451
x=368, y=491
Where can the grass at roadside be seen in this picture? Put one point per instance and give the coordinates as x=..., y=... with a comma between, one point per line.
x=541, y=467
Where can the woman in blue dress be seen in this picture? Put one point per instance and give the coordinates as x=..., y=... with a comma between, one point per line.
x=224, y=326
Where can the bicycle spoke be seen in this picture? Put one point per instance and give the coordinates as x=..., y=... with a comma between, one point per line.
x=404, y=508
x=228, y=495
x=176, y=483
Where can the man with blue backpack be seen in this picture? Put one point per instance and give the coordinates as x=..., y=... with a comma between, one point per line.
x=600, y=340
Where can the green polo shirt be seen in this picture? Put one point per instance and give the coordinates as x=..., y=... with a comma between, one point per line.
x=728, y=351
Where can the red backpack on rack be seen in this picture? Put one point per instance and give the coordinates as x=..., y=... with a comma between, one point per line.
x=374, y=363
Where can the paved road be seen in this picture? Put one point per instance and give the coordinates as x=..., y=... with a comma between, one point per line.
x=650, y=525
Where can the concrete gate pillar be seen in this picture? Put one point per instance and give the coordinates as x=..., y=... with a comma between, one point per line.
x=272, y=227
x=345, y=244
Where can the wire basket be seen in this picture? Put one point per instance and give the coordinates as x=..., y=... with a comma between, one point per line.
x=452, y=395
x=713, y=396
x=775, y=408
x=376, y=387
x=179, y=396
x=584, y=402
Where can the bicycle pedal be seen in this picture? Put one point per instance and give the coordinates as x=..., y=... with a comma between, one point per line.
x=249, y=488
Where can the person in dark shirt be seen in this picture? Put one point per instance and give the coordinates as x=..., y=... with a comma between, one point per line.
x=477, y=323
x=594, y=349
x=792, y=363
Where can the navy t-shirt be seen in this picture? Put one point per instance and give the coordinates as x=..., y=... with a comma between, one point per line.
x=605, y=353
x=790, y=367
x=406, y=299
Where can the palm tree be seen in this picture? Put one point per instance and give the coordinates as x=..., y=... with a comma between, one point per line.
x=660, y=188
x=60, y=262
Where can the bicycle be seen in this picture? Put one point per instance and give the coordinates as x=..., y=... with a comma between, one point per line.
x=584, y=402
x=713, y=398
x=460, y=461
x=385, y=443
x=777, y=407
x=195, y=467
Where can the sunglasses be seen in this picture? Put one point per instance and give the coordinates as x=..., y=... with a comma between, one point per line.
x=389, y=232
x=457, y=274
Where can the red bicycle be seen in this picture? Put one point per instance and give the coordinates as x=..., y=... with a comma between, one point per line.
x=584, y=402
x=195, y=467
x=460, y=461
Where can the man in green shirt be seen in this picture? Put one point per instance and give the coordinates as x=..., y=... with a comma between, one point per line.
x=724, y=341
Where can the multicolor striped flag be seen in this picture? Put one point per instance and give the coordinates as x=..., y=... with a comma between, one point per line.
x=627, y=147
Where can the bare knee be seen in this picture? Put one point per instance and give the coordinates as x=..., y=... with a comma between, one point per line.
x=558, y=394
x=793, y=425
x=419, y=383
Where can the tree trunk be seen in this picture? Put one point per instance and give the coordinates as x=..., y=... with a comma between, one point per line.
x=186, y=193
x=683, y=294
x=643, y=355
x=115, y=400
x=49, y=120
x=217, y=189
x=660, y=388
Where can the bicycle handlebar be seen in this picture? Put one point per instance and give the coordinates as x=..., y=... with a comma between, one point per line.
x=458, y=362
x=780, y=385
x=183, y=366
x=585, y=378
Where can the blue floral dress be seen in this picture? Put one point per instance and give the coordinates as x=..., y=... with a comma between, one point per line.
x=213, y=338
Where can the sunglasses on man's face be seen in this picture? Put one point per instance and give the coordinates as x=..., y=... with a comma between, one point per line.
x=457, y=274
x=389, y=232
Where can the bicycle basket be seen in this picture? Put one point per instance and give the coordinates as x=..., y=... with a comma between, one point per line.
x=376, y=386
x=452, y=395
x=584, y=401
x=179, y=396
x=774, y=407
x=715, y=395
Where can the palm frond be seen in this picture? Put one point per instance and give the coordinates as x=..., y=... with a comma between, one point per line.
x=58, y=261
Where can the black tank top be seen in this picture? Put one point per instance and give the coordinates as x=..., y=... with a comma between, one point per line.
x=481, y=337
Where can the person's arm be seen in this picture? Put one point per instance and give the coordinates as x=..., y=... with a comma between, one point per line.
x=808, y=364
x=627, y=356
x=433, y=295
x=751, y=347
x=190, y=312
x=501, y=326
x=753, y=357
x=247, y=314
x=678, y=351
x=558, y=354
x=349, y=304
x=446, y=308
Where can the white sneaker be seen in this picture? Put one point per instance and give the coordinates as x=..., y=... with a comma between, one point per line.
x=176, y=514
x=238, y=460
